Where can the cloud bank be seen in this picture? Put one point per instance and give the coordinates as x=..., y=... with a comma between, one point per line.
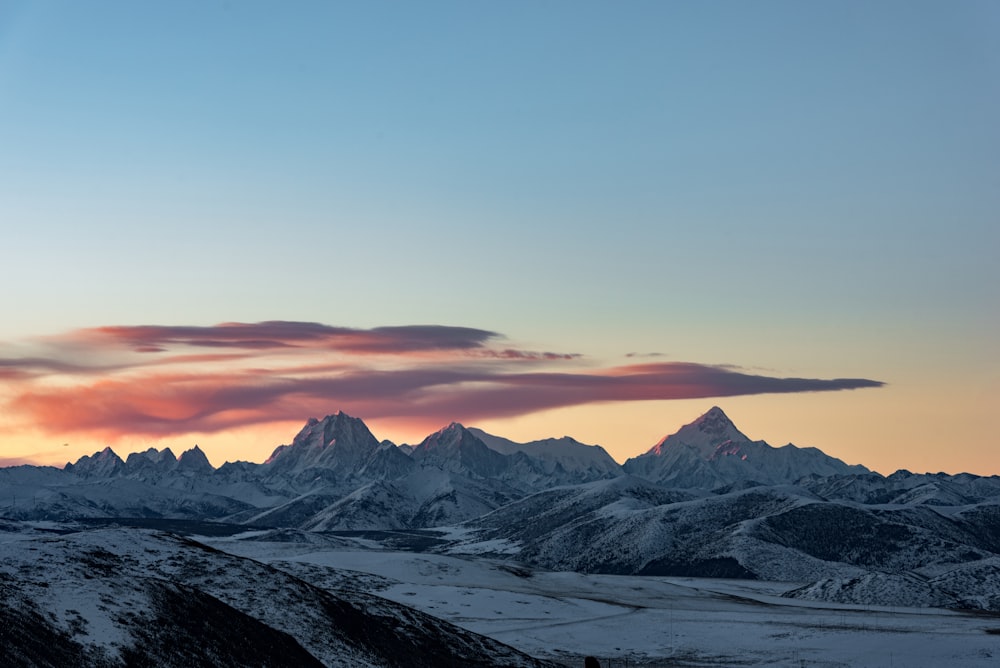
x=275, y=334
x=171, y=380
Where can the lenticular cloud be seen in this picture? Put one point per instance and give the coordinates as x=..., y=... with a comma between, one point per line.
x=171, y=380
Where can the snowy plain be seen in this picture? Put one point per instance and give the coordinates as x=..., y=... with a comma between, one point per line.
x=648, y=620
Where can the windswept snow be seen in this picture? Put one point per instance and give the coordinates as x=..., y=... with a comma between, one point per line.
x=663, y=621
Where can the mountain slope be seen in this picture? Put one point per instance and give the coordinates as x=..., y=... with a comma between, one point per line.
x=458, y=450
x=563, y=460
x=705, y=501
x=711, y=452
x=630, y=526
x=335, y=450
x=115, y=597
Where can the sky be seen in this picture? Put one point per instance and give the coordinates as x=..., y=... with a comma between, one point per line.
x=577, y=218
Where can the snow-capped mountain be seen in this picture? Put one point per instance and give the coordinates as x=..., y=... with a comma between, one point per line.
x=711, y=452
x=195, y=462
x=103, y=464
x=336, y=449
x=150, y=464
x=564, y=460
x=457, y=449
x=336, y=474
x=523, y=467
x=704, y=501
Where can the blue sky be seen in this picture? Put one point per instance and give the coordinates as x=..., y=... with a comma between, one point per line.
x=804, y=189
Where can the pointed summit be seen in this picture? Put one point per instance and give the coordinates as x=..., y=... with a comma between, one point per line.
x=194, y=460
x=457, y=449
x=151, y=462
x=103, y=464
x=338, y=442
x=705, y=435
x=711, y=453
x=714, y=418
x=449, y=436
x=450, y=441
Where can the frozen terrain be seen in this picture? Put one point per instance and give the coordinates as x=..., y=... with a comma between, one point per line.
x=549, y=547
x=646, y=619
x=126, y=596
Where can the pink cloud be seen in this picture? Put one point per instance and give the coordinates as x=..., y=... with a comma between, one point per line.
x=281, y=371
x=170, y=404
x=24, y=367
x=277, y=334
x=13, y=374
x=512, y=354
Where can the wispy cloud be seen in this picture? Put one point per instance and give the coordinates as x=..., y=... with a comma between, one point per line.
x=277, y=334
x=280, y=371
x=511, y=354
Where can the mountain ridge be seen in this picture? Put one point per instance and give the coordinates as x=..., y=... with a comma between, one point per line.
x=705, y=500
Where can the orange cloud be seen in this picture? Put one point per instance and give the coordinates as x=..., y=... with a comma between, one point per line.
x=154, y=380
x=162, y=404
x=277, y=334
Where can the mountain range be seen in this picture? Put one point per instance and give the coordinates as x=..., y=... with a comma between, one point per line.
x=704, y=501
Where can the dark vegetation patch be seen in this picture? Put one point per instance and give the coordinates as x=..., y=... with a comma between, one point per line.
x=516, y=570
x=192, y=628
x=182, y=527
x=29, y=640
x=100, y=562
x=838, y=533
x=716, y=567
x=397, y=636
x=411, y=540
x=984, y=523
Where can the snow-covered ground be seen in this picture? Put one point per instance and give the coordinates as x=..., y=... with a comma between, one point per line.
x=676, y=621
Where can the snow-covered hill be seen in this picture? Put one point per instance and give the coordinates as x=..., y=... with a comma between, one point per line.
x=770, y=533
x=131, y=597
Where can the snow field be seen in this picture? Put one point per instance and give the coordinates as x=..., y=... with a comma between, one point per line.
x=646, y=619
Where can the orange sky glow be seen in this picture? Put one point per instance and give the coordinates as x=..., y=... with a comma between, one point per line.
x=135, y=388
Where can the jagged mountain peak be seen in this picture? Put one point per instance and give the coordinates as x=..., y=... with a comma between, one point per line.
x=335, y=422
x=711, y=452
x=706, y=435
x=713, y=419
x=457, y=449
x=166, y=455
x=107, y=454
x=713, y=423
x=338, y=441
x=194, y=460
x=452, y=428
x=455, y=435
x=327, y=432
x=105, y=463
x=151, y=460
x=577, y=460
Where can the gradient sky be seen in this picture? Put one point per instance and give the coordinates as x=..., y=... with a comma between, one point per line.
x=586, y=218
